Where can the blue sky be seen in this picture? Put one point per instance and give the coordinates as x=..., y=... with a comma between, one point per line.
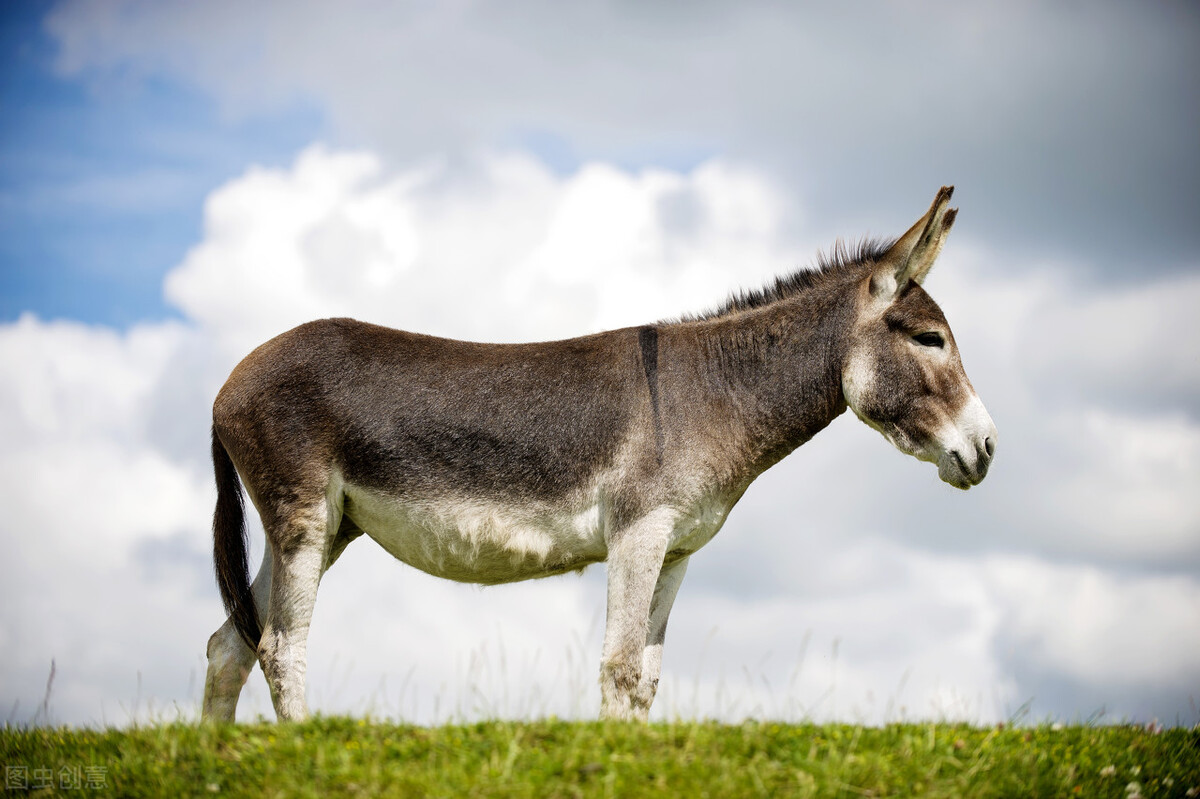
x=104, y=180
x=181, y=181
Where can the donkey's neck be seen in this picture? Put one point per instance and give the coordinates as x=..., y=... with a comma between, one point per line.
x=777, y=371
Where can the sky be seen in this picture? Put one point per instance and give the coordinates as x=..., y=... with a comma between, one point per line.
x=180, y=182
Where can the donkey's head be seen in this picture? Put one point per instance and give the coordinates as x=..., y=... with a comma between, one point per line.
x=903, y=375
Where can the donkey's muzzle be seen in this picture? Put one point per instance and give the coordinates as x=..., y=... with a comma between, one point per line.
x=966, y=460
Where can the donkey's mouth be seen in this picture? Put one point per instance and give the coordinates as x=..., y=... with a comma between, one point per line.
x=954, y=470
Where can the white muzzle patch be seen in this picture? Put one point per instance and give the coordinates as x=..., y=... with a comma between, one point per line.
x=967, y=446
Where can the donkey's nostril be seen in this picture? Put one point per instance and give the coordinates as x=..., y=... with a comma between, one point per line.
x=990, y=445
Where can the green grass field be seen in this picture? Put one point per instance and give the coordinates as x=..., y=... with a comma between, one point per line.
x=348, y=757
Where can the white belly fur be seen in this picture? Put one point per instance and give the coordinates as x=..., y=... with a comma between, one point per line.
x=474, y=540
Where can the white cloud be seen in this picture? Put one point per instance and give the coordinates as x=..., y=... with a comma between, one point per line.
x=107, y=431
x=1095, y=626
x=1133, y=345
x=88, y=492
x=506, y=249
x=1127, y=484
x=66, y=380
x=888, y=632
x=891, y=632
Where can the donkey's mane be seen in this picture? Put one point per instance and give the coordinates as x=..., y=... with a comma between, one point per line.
x=841, y=257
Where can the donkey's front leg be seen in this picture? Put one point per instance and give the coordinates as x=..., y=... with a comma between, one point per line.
x=660, y=608
x=635, y=560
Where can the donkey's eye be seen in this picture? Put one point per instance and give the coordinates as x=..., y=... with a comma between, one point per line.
x=930, y=339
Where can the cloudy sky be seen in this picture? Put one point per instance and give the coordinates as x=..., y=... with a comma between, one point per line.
x=181, y=181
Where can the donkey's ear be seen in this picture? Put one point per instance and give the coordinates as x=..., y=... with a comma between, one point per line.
x=913, y=254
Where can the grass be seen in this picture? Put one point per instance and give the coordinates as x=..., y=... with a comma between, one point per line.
x=336, y=756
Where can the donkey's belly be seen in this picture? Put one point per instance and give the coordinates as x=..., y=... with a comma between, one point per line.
x=479, y=541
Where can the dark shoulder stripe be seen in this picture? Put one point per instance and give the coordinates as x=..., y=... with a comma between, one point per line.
x=648, y=343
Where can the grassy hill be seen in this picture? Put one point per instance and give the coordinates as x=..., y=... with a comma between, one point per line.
x=331, y=757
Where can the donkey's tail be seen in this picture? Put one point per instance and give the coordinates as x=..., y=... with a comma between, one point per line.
x=229, y=547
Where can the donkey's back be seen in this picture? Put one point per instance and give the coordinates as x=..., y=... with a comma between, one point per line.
x=409, y=414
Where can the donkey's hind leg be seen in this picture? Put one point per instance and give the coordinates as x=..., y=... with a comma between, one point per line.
x=230, y=659
x=300, y=546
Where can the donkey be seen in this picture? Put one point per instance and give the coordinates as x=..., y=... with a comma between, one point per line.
x=491, y=463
